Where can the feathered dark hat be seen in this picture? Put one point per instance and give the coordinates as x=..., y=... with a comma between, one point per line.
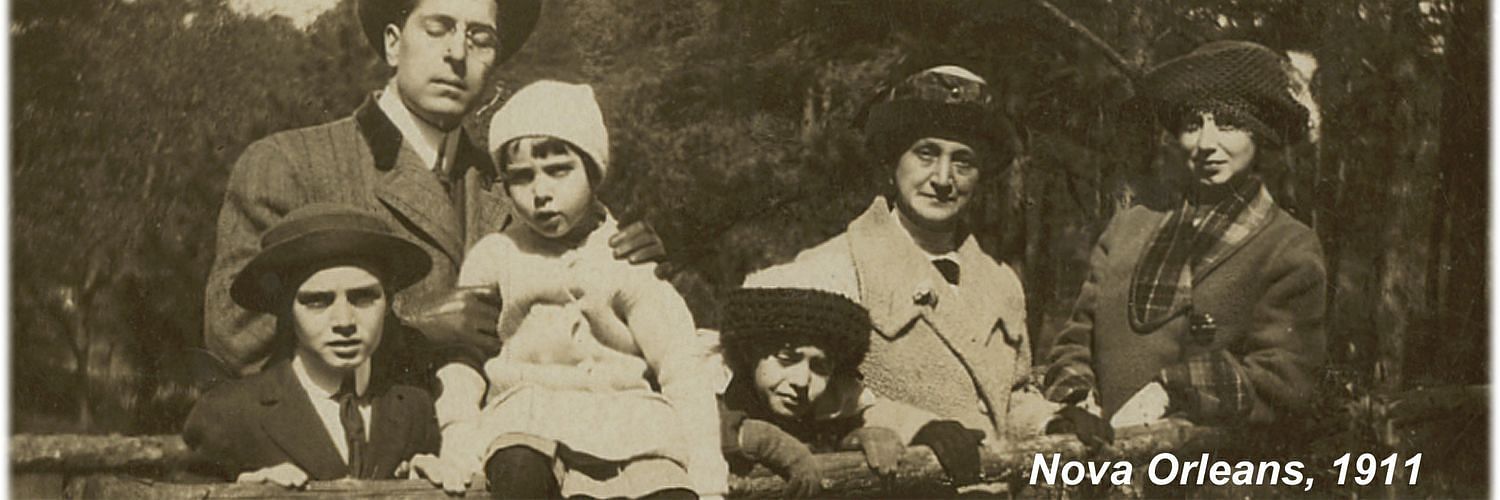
x=759, y=321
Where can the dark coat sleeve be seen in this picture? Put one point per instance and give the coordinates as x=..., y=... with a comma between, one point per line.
x=428, y=438
x=1273, y=368
x=1071, y=359
x=215, y=433
x=261, y=191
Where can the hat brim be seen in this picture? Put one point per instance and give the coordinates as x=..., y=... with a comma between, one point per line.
x=265, y=278
x=1199, y=76
x=516, y=19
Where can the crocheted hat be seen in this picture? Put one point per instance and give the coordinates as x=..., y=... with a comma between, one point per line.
x=551, y=108
x=1242, y=79
x=945, y=101
x=514, y=19
x=318, y=234
x=759, y=321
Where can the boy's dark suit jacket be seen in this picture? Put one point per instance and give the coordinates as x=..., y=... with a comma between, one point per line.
x=267, y=419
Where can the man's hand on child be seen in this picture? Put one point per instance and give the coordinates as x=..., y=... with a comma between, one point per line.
x=956, y=447
x=284, y=475
x=463, y=315
x=636, y=243
x=436, y=471
x=882, y=447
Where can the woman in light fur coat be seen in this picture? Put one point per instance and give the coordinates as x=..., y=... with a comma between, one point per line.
x=949, y=333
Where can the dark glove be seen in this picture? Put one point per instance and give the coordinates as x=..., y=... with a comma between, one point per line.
x=464, y=316
x=882, y=447
x=1091, y=429
x=1066, y=385
x=956, y=447
x=767, y=444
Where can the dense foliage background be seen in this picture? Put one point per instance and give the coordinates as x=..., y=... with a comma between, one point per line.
x=730, y=123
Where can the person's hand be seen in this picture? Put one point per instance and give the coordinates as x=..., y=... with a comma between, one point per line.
x=1091, y=429
x=283, y=474
x=436, y=471
x=803, y=479
x=767, y=444
x=882, y=447
x=956, y=447
x=1147, y=405
x=636, y=243
x=463, y=316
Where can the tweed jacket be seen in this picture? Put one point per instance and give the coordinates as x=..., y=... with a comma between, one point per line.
x=1267, y=298
x=956, y=351
x=267, y=419
x=361, y=161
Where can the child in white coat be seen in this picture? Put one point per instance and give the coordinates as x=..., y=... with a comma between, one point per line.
x=594, y=392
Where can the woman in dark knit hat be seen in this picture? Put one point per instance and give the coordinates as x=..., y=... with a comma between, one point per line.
x=949, y=322
x=1212, y=310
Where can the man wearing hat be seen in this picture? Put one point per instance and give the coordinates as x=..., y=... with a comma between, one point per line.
x=325, y=272
x=403, y=157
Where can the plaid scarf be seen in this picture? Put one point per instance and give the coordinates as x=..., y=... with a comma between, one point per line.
x=1162, y=286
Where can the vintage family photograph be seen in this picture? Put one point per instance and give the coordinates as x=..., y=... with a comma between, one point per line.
x=729, y=249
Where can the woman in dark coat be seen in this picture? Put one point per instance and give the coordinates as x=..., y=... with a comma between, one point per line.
x=1212, y=310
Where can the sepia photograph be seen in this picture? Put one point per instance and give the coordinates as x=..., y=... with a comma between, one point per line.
x=678, y=249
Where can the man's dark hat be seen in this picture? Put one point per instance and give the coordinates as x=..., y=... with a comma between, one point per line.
x=1242, y=78
x=946, y=101
x=318, y=234
x=515, y=19
x=761, y=320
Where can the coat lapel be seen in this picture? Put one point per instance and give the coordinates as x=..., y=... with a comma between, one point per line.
x=899, y=286
x=889, y=285
x=487, y=209
x=296, y=428
x=1255, y=218
x=407, y=186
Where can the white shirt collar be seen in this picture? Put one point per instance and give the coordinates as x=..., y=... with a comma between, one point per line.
x=425, y=139
x=326, y=385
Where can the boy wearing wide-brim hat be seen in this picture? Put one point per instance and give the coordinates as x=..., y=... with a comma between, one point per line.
x=326, y=273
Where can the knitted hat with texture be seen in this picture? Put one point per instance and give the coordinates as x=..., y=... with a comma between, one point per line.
x=566, y=111
x=1246, y=80
x=759, y=321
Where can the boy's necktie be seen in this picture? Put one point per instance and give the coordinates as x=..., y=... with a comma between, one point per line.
x=354, y=427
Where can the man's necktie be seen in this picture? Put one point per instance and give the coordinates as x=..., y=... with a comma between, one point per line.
x=354, y=427
x=948, y=268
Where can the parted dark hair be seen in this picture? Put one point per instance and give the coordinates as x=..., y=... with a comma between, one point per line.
x=758, y=322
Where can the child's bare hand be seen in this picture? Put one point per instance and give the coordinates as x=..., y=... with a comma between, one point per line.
x=284, y=475
x=883, y=448
x=438, y=472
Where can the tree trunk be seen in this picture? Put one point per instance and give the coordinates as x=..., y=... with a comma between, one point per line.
x=1460, y=297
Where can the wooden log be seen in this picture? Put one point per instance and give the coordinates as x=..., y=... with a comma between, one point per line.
x=845, y=474
x=77, y=453
x=102, y=466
